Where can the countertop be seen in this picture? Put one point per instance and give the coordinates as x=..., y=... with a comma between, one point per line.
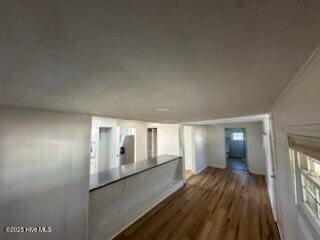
x=112, y=175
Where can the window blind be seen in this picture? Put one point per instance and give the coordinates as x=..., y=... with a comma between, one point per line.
x=307, y=145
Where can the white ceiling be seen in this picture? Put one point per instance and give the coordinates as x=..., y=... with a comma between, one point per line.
x=205, y=59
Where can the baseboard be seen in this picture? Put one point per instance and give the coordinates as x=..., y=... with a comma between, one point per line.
x=257, y=173
x=169, y=192
x=200, y=170
x=217, y=166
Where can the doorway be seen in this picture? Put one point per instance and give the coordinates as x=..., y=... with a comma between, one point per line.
x=189, y=151
x=152, y=136
x=105, y=149
x=236, y=149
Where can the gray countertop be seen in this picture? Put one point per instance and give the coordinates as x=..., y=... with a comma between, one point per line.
x=112, y=175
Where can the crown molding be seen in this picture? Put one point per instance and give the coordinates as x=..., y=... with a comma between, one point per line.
x=243, y=119
x=312, y=60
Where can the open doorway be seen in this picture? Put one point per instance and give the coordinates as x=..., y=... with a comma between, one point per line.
x=105, y=153
x=152, y=142
x=189, y=151
x=236, y=149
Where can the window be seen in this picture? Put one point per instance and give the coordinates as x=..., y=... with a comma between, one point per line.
x=305, y=156
x=237, y=136
x=310, y=182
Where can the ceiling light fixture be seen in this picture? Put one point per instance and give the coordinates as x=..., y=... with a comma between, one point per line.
x=164, y=109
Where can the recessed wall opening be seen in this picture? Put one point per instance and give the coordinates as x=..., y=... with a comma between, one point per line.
x=112, y=145
x=152, y=142
x=236, y=153
x=189, y=151
x=105, y=148
x=101, y=150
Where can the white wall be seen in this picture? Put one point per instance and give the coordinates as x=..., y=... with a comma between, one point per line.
x=106, y=151
x=195, y=148
x=115, y=124
x=168, y=138
x=96, y=124
x=44, y=173
x=189, y=151
x=255, y=151
x=296, y=111
x=168, y=135
x=140, y=128
x=200, y=149
x=216, y=147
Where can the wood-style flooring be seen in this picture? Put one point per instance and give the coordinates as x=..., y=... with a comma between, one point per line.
x=188, y=174
x=217, y=205
x=237, y=164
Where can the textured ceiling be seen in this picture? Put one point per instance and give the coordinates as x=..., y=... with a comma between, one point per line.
x=124, y=58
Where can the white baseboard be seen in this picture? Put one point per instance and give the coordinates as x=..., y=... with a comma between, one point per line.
x=166, y=194
x=217, y=166
x=200, y=170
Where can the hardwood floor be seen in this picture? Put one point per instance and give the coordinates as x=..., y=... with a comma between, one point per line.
x=237, y=164
x=216, y=205
x=188, y=174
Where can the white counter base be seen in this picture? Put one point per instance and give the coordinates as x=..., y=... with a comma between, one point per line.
x=116, y=206
x=165, y=195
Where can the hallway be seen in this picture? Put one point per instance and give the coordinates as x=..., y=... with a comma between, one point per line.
x=217, y=204
x=237, y=164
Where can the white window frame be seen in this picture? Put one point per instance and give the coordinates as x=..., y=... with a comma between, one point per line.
x=236, y=136
x=300, y=146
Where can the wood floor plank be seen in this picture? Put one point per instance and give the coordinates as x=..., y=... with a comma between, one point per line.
x=206, y=230
x=216, y=204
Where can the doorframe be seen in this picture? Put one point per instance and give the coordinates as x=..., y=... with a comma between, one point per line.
x=275, y=168
x=152, y=143
x=182, y=132
x=245, y=145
